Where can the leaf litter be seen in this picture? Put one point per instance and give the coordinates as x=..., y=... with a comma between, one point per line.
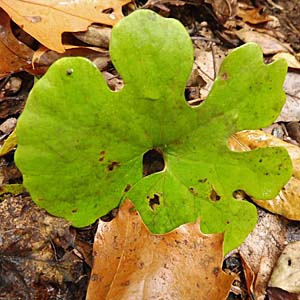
x=38, y=259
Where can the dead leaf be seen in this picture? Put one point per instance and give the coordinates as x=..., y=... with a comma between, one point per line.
x=262, y=248
x=249, y=276
x=291, y=109
x=293, y=129
x=205, y=69
x=15, y=56
x=279, y=294
x=43, y=57
x=96, y=35
x=131, y=263
x=8, y=126
x=269, y=44
x=252, y=15
x=286, y=203
x=36, y=17
x=9, y=144
x=36, y=257
x=290, y=58
x=223, y=9
x=286, y=274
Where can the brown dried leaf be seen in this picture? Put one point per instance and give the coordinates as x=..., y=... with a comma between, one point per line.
x=44, y=57
x=286, y=274
x=279, y=294
x=269, y=44
x=36, y=17
x=249, y=275
x=261, y=250
x=15, y=56
x=287, y=202
x=252, y=15
x=131, y=263
x=291, y=109
x=36, y=257
x=290, y=59
x=223, y=9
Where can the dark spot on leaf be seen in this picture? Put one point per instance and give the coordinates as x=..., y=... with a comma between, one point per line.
x=154, y=201
x=267, y=174
x=141, y=265
x=193, y=191
x=289, y=262
x=94, y=277
x=127, y=188
x=224, y=76
x=108, y=11
x=69, y=72
x=102, y=155
x=125, y=283
x=153, y=161
x=74, y=210
x=113, y=165
x=216, y=271
x=214, y=196
x=202, y=180
x=227, y=222
x=260, y=160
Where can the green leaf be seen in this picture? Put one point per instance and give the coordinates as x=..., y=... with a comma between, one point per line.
x=81, y=145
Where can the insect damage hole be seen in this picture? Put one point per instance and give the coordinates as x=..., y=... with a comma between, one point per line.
x=154, y=201
x=153, y=162
x=214, y=196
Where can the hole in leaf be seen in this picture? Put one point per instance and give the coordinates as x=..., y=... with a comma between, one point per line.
x=154, y=201
x=69, y=72
x=153, y=162
x=193, y=191
x=214, y=196
x=127, y=188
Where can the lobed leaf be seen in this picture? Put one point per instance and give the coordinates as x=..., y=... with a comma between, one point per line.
x=81, y=145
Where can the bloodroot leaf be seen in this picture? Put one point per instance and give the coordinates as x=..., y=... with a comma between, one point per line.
x=82, y=145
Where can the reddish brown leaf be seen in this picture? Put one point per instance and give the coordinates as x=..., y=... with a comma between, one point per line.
x=131, y=263
x=15, y=56
x=36, y=17
x=252, y=15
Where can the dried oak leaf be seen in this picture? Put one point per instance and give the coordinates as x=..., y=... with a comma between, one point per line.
x=36, y=17
x=132, y=263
